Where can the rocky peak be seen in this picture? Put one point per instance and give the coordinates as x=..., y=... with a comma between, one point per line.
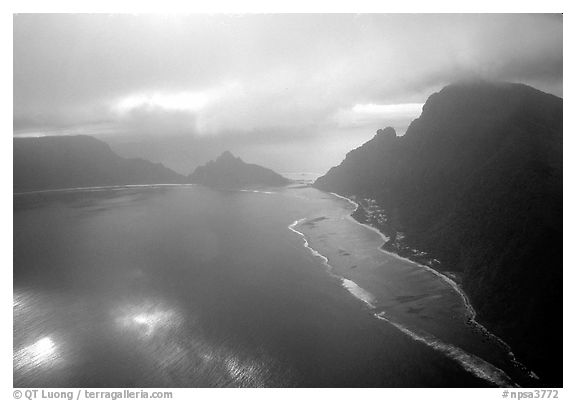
x=386, y=133
x=227, y=156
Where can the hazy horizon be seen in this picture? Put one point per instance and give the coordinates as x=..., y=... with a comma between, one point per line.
x=292, y=92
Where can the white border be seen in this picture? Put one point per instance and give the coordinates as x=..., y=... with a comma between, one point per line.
x=260, y=6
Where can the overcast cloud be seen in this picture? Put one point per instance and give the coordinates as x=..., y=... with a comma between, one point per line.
x=249, y=83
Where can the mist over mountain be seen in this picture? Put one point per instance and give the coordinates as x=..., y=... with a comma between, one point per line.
x=476, y=182
x=228, y=171
x=80, y=161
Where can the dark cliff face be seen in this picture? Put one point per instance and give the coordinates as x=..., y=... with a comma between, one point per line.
x=477, y=181
x=228, y=171
x=79, y=161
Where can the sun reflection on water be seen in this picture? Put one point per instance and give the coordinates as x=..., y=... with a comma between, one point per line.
x=172, y=341
x=39, y=354
x=147, y=319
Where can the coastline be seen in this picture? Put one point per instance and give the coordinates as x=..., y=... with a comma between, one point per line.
x=475, y=365
x=468, y=361
x=99, y=188
x=448, y=279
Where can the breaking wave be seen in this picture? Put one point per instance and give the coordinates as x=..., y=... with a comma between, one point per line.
x=471, y=363
x=468, y=305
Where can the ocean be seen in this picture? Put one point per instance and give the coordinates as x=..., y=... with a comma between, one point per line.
x=187, y=286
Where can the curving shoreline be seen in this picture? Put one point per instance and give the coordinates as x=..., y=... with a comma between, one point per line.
x=469, y=362
x=448, y=280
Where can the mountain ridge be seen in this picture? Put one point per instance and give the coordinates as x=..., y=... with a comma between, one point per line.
x=57, y=162
x=476, y=182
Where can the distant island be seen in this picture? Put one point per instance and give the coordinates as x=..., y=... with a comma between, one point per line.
x=474, y=188
x=58, y=162
x=228, y=171
x=55, y=162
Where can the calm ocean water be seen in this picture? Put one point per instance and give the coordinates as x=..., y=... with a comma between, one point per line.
x=189, y=286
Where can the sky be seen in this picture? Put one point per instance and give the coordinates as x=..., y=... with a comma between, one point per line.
x=293, y=92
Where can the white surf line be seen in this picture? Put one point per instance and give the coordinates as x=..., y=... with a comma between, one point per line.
x=471, y=363
x=255, y=191
x=357, y=291
x=102, y=188
x=469, y=308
